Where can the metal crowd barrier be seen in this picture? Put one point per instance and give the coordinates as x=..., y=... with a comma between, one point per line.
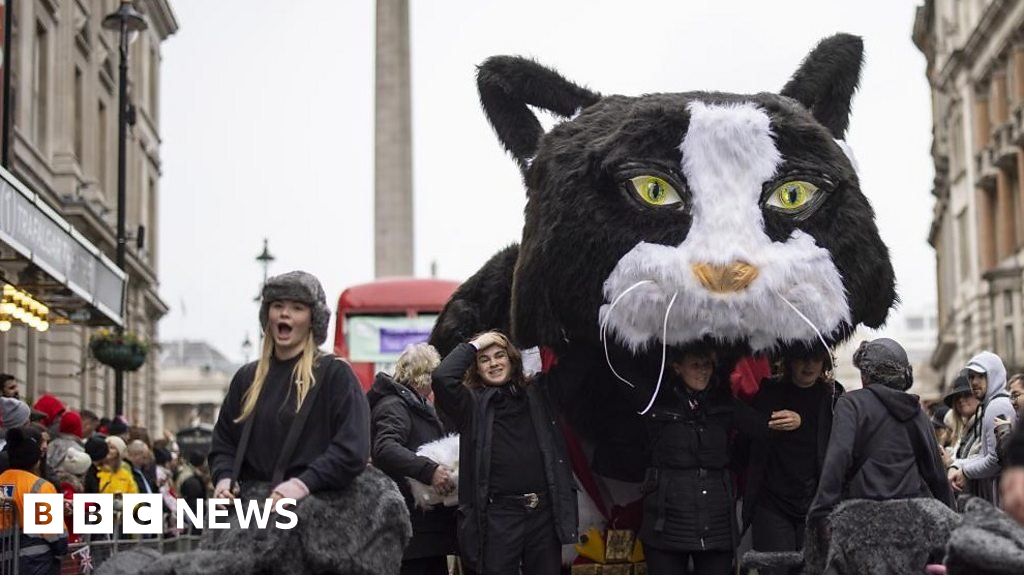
x=91, y=550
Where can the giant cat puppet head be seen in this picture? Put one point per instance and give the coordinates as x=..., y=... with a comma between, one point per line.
x=742, y=212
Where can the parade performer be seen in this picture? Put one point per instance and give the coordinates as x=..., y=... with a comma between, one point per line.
x=517, y=496
x=295, y=424
x=296, y=417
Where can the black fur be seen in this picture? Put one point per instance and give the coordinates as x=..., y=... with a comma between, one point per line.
x=360, y=530
x=507, y=84
x=827, y=79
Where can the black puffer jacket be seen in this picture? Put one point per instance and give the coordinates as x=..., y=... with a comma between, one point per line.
x=472, y=413
x=689, y=502
x=882, y=447
x=400, y=422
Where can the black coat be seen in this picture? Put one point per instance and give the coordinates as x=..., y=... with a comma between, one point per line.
x=770, y=398
x=882, y=447
x=334, y=444
x=400, y=422
x=472, y=414
x=689, y=500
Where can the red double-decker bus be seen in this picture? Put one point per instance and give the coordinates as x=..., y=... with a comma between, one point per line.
x=377, y=320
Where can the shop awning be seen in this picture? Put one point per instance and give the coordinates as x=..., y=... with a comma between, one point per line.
x=53, y=261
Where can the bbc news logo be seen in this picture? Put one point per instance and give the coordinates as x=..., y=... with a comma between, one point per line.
x=143, y=514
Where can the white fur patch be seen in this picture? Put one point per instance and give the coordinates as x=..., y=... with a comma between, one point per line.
x=728, y=154
x=444, y=451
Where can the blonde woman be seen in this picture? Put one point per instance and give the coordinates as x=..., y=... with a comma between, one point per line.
x=403, y=419
x=297, y=417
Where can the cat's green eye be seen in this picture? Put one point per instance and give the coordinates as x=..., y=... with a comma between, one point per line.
x=654, y=191
x=793, y=195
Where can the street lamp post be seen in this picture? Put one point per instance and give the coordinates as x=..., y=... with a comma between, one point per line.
x=125, y=20
x=264, y=258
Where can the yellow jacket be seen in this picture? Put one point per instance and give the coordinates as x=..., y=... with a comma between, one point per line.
x=118, y=482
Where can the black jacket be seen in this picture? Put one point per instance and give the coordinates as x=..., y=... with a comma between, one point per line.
x=472, y=414
x=401, y=422
x=770, y=398
x=689, y=500
x=882, y=447
x=335, y=442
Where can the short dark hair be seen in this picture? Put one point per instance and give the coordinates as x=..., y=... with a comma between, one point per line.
x=5, y=378
x=88, y=415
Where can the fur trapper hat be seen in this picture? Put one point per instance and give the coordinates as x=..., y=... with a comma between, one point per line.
x=301, y=287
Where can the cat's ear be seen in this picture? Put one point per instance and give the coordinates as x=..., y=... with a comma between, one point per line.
x=827, y=79
x=509, y=84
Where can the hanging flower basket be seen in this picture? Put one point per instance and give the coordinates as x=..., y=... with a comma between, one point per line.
x=119, y=351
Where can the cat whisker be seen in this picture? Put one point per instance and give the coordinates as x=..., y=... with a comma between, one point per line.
x=807, y=320
x=664, y=352
x=604, y=328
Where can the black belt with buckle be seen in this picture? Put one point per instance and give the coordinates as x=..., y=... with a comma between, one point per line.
x=529, y=500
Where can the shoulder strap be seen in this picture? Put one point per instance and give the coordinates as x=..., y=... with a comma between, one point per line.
x=243, y=445
x=295, y=430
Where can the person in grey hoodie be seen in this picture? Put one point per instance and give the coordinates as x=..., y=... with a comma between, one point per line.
x=882, y=446
x=988, y=380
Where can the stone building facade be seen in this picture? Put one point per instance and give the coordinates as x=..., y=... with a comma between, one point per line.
x=63, y=147
x=975, y=55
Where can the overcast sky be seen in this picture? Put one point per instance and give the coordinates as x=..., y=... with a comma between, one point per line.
x=267, y=125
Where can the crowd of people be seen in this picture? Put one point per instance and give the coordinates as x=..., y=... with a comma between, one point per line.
x=717, y=466
x=46, y=447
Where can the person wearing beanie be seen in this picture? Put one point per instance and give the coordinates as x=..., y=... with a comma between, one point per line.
x=882, y=445
x=118, y=427
x=987, y=376
x=266, y=396
x=13, y=414
x=40, y=554
x=114, y=474
x=53, y=409
x=69, y=436
x=97, y=449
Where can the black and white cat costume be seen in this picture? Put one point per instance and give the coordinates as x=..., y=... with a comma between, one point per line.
x=664, y=220
x=660, y=221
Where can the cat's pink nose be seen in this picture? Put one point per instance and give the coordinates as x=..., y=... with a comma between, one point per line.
x=732, y=277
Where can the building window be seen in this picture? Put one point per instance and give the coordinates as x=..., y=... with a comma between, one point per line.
x=151, y=222
x=154, y=83
x=77, y=100
x=962, y=244
x=1010, y=354
x=1007, y=304
x=40, y=69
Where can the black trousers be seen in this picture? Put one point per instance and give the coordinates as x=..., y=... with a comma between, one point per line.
x=775, y=531
x=704, y=561
x=427, y=565
x=521, y=539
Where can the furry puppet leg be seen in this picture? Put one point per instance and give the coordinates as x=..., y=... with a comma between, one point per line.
x=361, y=530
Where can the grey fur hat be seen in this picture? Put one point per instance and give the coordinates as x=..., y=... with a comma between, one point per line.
x=301, y=287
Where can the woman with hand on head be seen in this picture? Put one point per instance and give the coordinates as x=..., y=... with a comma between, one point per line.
x=517, y=495
x=297, y=417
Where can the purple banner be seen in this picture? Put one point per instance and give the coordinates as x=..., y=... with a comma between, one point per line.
x=394, y=340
